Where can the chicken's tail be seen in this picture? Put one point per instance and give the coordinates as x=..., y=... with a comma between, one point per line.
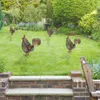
x=36, y=41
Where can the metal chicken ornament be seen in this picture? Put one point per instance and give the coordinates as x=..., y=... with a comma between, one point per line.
x=27, y=47
x=70, y=45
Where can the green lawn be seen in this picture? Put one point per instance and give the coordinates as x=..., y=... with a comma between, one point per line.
x=50, y=58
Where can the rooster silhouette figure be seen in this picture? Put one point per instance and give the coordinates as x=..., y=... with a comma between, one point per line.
x=27, y=47
x=70, y=45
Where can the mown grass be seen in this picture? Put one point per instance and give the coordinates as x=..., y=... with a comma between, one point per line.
x=50, y=58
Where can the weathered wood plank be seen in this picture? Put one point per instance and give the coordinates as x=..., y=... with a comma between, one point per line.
x=88, y=75
x=89, y=81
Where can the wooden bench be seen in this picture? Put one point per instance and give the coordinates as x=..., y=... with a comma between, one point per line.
x=94, y=94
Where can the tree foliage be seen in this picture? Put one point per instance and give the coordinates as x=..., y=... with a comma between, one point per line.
x=23, y=8
x=96, y=34
x=14, y=12
x=6, y=4
x=1, y=17
x=88, y=23
x=49, y=9
x=34, y=14
x=68, y=11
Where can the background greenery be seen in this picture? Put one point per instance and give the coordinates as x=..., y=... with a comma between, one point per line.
x=75, y=15
x=1, y=17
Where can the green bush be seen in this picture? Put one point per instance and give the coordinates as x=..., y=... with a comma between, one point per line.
x=31, y=26
x=96, y=35
x=1, y=18
x=63, y=30
x=72, y=10
x=95, y=67
x=8, y=17
x=34, y=14
x=88, y=24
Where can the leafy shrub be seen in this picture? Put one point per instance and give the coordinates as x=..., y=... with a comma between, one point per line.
x=2, y=67
x=39, y=26
x=12, y=15
x=63, y=30
x=31, y=26
x=71, y=11
x=96, y=35
x=1, y=18
x=21, y=24
x=88, y=23
x=95, y=67
x=8, y=17
x=34, y=14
